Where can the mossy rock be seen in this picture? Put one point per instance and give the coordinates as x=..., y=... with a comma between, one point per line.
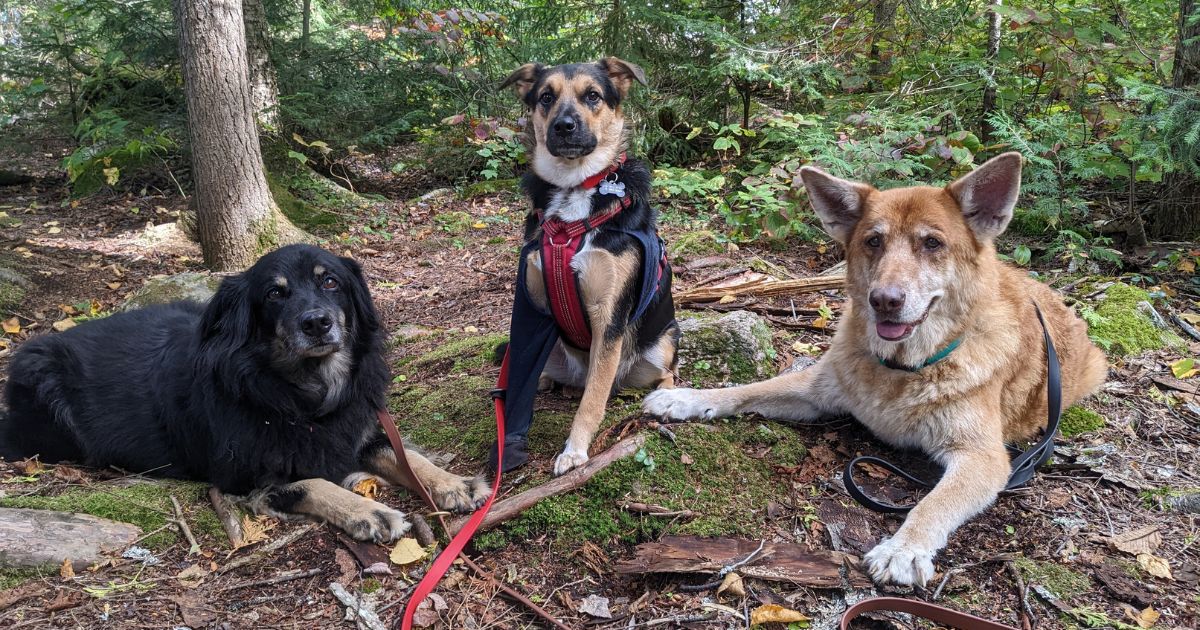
x=454, y=222
x=1078, y=420
x=697, y=244
x=189, y=285
x=12, y=289
x=731, y=348
x=145, y=504
x=489, y=187
x=1058, y=579
x=1122, y=328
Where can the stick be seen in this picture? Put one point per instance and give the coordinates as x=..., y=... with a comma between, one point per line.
x=269, y=548
x=1187, y=328
x=422, y=531
x=1027, y=617
x=654, y=510
x=183, y=527
x=515, y=505
x=367, y=617
x=282, y=577
x=229, y=521
x=764, y=286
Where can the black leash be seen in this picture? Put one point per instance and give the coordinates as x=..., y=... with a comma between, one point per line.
x=1024, y=465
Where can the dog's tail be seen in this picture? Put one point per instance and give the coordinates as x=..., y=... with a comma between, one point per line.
x=501, y=350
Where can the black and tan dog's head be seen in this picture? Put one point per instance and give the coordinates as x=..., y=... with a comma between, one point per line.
x=578, y=126
x=303, y=303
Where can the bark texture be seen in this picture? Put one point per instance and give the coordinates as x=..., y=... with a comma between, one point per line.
x=237, y=220
x=1177, y=217
x=264, y=84
x=993, y=52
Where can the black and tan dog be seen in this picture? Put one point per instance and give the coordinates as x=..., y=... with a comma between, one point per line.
x=597, y=312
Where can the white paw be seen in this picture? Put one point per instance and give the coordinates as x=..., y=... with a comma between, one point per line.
x=896, y=562
x=569, y=459
x=680, y=404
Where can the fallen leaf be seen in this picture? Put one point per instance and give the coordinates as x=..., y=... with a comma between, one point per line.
x=772, y=613
x=68, y=309
x=192, y=576
x=1141, y=540
x=63, y=324
x=479, y=225
x=470, y=329
x=30, y=466
x=113, y=285
x=68, y=474
x=686, y=459
x=595, y=606
x=407, y=551
x=368, y=487
x=1154, y=565
x=254, y=530
x=54, y=230
x=193, y=610
x=66, y=571
x=733, y=585
x=726, y=299
x=94, y=307
x=63, y=600
x=1190, y=317
x=1146, y=618
x=820, y=322
x=1184, y=368
x=12, y=325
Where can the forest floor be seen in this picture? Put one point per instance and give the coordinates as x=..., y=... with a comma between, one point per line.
x=441, y=271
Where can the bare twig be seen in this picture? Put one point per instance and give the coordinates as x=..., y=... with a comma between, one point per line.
x=183, y=527
x=269, y=548
x=1027, y=617
x=282, y=577
x=655, y=510
x=229, y=521
x=1187, y=328
x=725, y=570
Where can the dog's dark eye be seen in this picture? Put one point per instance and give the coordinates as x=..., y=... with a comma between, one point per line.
x=932, y=243
x=875, y=242
x=275, y=294
x=546, y=98
x=329, y=283
x=592, y=97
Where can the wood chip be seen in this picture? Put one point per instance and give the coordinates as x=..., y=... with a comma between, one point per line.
x=782, y=562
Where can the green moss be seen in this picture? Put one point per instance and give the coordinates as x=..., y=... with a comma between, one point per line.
x=11, y=295
x=694, y=245
x=465, y=353
x=370, y=585
x=489, y=187
x=11, y=577
x=454, y=222
x=1121, y=328
x=306, y=214
x=1077, y=420
x=1058, y=579
x=455, y=416
x=147, y=505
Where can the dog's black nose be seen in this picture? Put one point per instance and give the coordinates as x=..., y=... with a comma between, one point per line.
x=564, y=125
x=887, y=299
x=316, y=323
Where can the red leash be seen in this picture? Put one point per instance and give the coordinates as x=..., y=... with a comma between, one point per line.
x=445, y=559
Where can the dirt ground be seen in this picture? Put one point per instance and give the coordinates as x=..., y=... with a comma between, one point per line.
x=1049, y=555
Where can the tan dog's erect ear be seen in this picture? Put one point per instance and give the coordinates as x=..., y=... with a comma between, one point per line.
x=523, y=78
x=838, y=202
x=622, y=73
x=988, y=194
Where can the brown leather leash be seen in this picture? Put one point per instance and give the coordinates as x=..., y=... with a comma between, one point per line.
x=924, y=610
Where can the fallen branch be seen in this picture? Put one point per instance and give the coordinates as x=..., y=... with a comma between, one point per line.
x=1027, y=617
x=269, y=548
x=1187, y=328
x=515, y=505
x=655, y=510
x=762, y=287
x=367, y=617
x=278, y=579
x=183, y=527
x=229, y=521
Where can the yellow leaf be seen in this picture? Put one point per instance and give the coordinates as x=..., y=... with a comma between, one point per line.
x=1147, y=617
x=94, y=307
x=771, y=613
x=1187, y=265
x=805, y=348
x=368, y=487
x=726, y=299
x=66, y=571
x=68, y=309
x=111, y=175
x=1141, y=540
x=1190, y=317
x=297, y=137
x=821, y=249
x=820, y=322
x=1154, y=565
x=12, y=325
x=192, y=576
x=407, y=551
x=479, y=225
x=63, y=324
x=114, y=285
x=54, y=230
x=733, y=585
x=1184, y=368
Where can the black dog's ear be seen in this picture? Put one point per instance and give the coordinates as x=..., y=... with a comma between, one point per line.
x=524, y=78
x=622, y=73
x=226, y=325
x=367, y=321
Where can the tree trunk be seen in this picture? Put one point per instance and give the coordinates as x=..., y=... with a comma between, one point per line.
x=306, y=25
x=883, y=19
x=989, y=91
x=1177, y=217
x=237, y=220
x=264, y=86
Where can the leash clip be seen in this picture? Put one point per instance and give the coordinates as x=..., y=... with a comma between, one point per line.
x=498, y=394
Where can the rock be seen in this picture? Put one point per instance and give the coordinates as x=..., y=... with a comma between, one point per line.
x=12, y=288
x=181, y=286
x=733, y=347
x=799, y=364
x=36, y=538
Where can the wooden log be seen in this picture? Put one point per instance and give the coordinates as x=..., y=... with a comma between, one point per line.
x=780, y=562
x=513, y=506
x=228, y=517
x=762, y=287
x=34, y=538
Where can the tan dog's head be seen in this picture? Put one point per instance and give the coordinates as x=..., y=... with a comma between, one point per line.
x=914, y=254
x=578, y=127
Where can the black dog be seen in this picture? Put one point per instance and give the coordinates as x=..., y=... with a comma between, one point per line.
x=270, y=392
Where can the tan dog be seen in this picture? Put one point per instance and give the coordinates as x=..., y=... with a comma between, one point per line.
x=922, y=272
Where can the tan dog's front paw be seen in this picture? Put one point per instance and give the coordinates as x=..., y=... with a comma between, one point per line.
x=895, y=562
x=570, y=459
x=371, y=521
x=681, y=404
x=460, y=494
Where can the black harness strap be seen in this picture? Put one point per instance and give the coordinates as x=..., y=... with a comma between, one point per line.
x=1024, y=464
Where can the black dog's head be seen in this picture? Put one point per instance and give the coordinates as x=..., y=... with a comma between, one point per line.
x=300, y=301
x=578, y=127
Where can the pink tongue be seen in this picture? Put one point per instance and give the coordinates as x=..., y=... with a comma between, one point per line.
x=891, y=330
